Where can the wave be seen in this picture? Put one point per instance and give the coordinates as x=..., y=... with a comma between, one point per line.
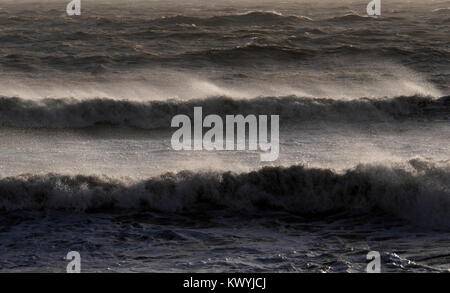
x=250, y=53
x=418, y=191
x=355, y=17
x=75, y=113
x=282, y=54
x=351, y=17
x=250, y=18
x=445, y=10
x=262, y=18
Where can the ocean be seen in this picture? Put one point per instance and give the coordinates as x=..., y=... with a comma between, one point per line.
x=87, y=165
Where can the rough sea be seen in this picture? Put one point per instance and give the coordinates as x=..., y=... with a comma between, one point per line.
x=86, y=162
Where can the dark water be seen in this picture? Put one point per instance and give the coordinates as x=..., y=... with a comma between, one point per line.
x=85, y=157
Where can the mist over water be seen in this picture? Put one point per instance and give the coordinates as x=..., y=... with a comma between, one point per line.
x=86, y=161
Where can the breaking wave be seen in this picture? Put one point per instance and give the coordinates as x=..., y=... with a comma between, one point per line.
x=418, y=191
x=75, y=113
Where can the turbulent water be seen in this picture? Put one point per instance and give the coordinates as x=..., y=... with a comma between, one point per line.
x=86, y=162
